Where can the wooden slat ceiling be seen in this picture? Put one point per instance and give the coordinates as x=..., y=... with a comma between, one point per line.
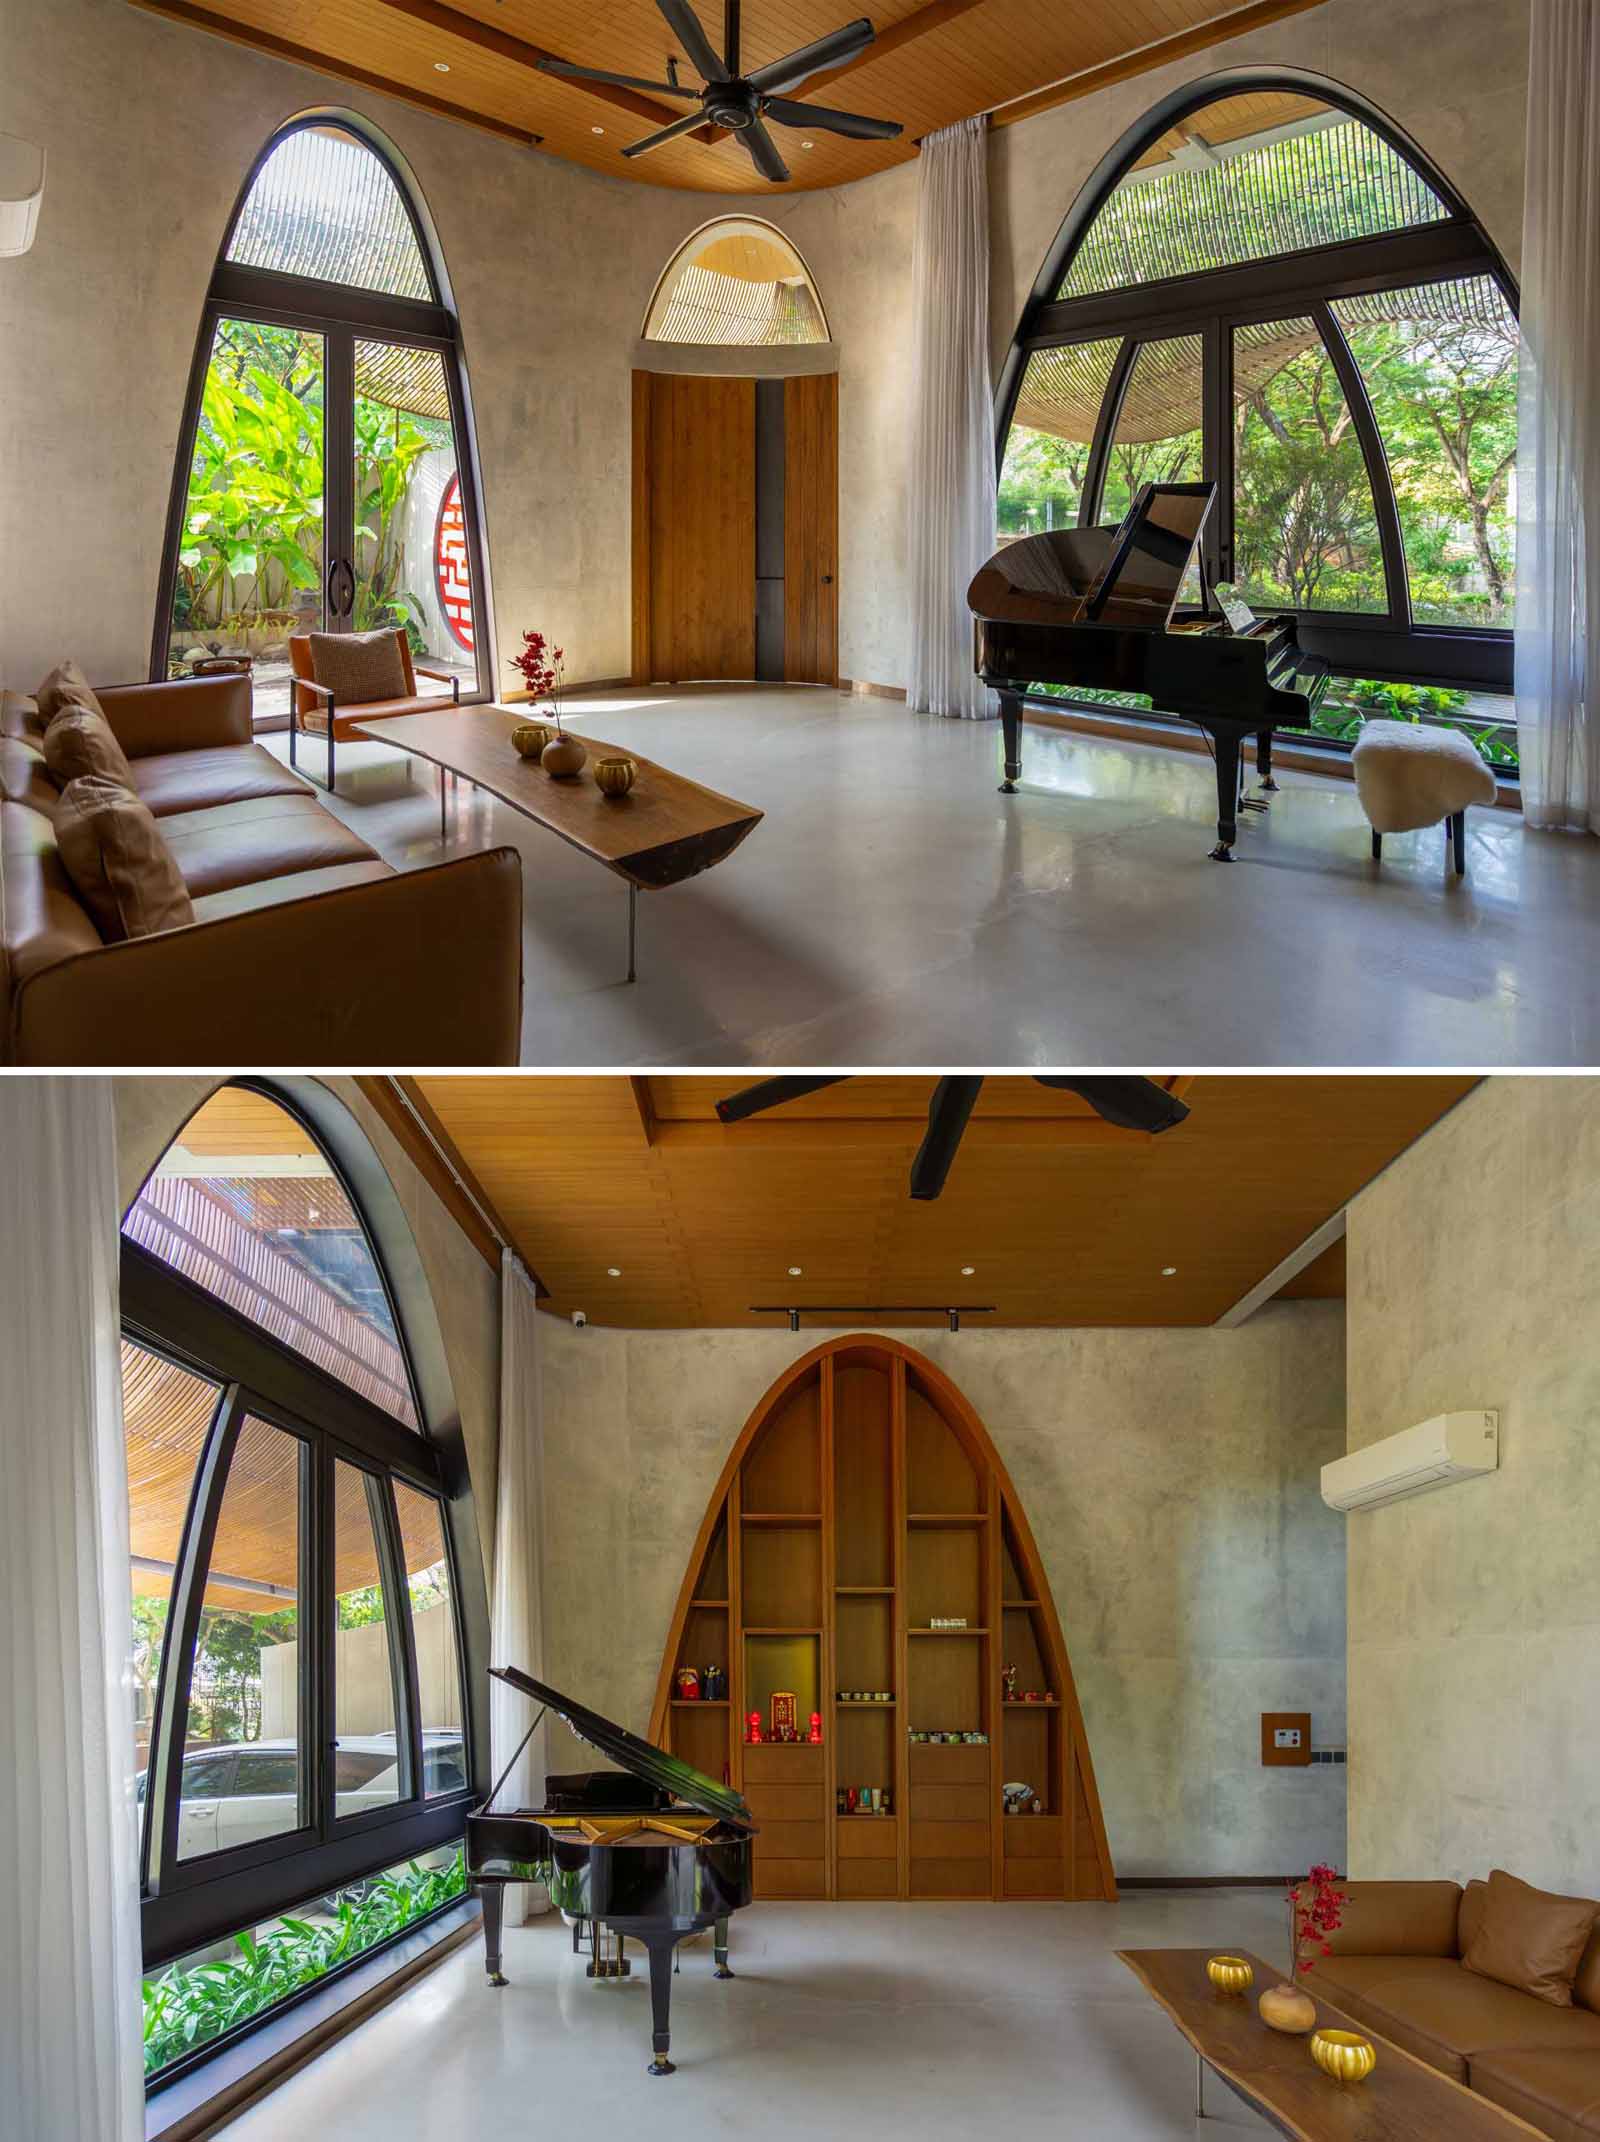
x=935, y=61
x=1065, y=1220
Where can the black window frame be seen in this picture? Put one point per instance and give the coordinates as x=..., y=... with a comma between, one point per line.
x=341, y=313
x=186, y=1904
x=1391, y=645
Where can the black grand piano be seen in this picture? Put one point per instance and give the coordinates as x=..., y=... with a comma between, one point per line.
x=652, y=1849
x=1098, y=608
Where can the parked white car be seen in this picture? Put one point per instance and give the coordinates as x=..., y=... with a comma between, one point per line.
x=232, y=1796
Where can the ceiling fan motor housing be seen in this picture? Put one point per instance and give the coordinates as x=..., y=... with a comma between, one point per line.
x=731, y=104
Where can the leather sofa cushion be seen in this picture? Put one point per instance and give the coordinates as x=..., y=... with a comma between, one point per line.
x=1586, y=1985
x=20, y=717
x=44, y=918
x=1474, y=1899
x=1398, y=1919
x=1530, y=1938
x=267, y=837
x=119, y=865
x=299, y=885
x=66, y=685
x=358, y=667
x=1559, y=2093
x=1448, y=2015
x=79, y=741
x=25, y=778
x=172, y=781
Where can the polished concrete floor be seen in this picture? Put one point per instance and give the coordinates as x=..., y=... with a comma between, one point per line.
x=941, y=2021
x=892, y=908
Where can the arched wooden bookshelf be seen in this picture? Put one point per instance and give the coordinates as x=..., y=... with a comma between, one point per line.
x=862, y=1503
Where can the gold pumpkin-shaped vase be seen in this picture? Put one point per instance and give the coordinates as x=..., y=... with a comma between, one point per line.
x=563, y=757
x=1230, y=1974
x=530, y=738
x=614, y=777
x=1344, y=2056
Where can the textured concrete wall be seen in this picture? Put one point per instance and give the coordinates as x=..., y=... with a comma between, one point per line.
x=1474, y=1619
x=151, y=128
x=1171, y=1481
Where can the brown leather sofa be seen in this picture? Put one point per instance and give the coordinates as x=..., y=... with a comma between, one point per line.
x=1397, y=1969
x=306, y=947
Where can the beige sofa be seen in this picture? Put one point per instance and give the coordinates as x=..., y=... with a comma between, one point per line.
x=306, y=946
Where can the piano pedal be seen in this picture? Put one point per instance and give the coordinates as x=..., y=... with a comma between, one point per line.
x=609, y=1967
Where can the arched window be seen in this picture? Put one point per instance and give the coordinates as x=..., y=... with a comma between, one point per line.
x=325, y=477
x=737, y=280
x=1265, y=286
x=297, y=1567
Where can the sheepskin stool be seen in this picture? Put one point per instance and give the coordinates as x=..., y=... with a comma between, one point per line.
x=1408, y=775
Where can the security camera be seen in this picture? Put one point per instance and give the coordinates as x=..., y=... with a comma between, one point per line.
x=579, y=1319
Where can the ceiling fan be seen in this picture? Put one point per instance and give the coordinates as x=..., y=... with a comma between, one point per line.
x=742, y=102
x=1137, y=1104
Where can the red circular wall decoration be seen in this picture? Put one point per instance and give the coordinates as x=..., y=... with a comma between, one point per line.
x=451, y=571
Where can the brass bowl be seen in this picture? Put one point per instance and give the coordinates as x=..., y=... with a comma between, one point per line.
x=530, y=738
x=1343, y=2055
x=614, y=777
x=1230, y=1974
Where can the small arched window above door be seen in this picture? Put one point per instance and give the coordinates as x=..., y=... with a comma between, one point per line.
x=737, y=280
x=1266, y=286
x=326, y=478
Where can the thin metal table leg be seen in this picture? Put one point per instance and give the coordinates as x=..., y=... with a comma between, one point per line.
x=633, y=927
x=1200, y=2112
x=443, y=781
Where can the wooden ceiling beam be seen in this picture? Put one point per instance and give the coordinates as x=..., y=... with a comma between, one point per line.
x=200, y=18
x=644, y=1102
x=406, y=1114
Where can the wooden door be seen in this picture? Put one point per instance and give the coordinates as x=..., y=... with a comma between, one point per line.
x=811, y=529
x=694, y=527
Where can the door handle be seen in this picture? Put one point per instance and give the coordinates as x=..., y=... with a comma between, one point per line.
x=332, y=588
x=827, y=580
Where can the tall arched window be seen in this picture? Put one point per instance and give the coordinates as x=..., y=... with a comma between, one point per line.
x=303, y=1574
x=736, y=280
x=1265, y=286
x=325, y=477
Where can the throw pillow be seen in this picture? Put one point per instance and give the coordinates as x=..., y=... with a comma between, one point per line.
x=1530, y=1939
x=66, y=685
x=79, y=741
x=358, y=667
x=124, y=872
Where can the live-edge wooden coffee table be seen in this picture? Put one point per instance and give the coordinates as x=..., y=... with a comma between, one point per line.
x=664, y=830
x=1402, y=2100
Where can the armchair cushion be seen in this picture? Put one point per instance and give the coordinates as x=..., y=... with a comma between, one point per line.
x=359, y=666
x=1530, y=1939
x=113, y=852
x=79, y=741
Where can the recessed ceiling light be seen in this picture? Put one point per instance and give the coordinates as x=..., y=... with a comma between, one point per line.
x=613, y=1271
x=808, y=145
x=597, y=130
x=967, y=1270
x=441, y=66
x=796, y=1271
x=1169, y=1271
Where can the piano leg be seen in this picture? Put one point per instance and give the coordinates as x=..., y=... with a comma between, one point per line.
x=661, y=1955
x=1227, y=752
x=493, y=1898
x=719, y=1949
x=1011, y=726
x=1264, y=760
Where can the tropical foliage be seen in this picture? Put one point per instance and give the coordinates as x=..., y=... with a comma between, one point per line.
x=188, y=2006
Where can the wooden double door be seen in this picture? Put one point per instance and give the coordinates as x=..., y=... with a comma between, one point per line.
x=735, y=528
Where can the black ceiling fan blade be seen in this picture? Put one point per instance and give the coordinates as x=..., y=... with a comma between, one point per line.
x=830, y=51
x=952, y=1103
x=763, y=152
x=769, y=1093
x=1131, y=1103
x=697, y=46
x=571, y=72
x=685, y=125
x=855, y=124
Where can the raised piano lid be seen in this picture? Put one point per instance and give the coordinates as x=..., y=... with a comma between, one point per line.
x=1131, y=574
x=669, y=1773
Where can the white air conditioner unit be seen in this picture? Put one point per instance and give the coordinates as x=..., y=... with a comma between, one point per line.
x=1452, y=1446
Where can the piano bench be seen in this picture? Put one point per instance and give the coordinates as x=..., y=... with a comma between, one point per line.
x=1410, y=775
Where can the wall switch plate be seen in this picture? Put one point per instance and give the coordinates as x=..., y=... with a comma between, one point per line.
x=1285, y=1737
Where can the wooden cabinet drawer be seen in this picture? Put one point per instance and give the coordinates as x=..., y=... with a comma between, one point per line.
x=787, y=1803
x=950, y=1877
x=783, y=1762
x=950, y=1803
x=949, y=1840
x=958, y=1762
x=866, y=1837
x=790, y=1878
x=791, y=1840
x=1032, y=1836
x=867, y=1878
x=1033, y=1877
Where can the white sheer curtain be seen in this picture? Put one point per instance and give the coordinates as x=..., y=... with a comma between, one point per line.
x=516, y=1614
x=1558, y=448
x=70, y=2037
x=952, y=490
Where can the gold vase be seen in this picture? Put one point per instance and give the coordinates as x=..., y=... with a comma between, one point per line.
x=530, y=738
x=1230, y=1974
x=614, y=777
x=563, y=757
x=1286, y=2008
x=1343, y=2055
